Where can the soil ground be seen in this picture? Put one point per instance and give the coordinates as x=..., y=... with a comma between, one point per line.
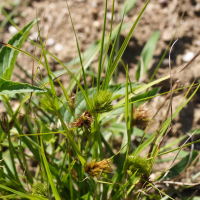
x=88, y=16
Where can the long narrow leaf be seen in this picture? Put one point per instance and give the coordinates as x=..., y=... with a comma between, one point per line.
x=8, y=56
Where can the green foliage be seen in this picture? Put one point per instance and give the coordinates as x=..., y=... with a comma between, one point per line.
x=82, y=144
x=8, y=56
x=10, y=87
x=147, y=54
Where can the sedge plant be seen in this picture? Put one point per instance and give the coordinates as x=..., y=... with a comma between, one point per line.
x=70, y=138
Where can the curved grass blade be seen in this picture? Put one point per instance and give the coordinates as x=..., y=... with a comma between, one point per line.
x=8, y=56
x=112, y=68
x=23, y=195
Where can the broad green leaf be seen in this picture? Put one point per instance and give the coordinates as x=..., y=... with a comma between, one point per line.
x=10, y=87
x=8, y=56
x=147, y=54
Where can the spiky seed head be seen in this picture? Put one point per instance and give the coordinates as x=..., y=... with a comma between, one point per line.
x=102, y=101
x=141, y=116
x=39, y=188
x=84, y=120
x=139, y=166
x=94, y=169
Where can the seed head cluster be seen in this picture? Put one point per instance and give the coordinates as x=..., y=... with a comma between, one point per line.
x=94, y=169
x=84, y=120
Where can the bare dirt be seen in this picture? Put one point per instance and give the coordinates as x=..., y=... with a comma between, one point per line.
x=87, y=16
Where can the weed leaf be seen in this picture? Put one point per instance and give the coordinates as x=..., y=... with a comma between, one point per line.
x=8, y=56
x=10, y=87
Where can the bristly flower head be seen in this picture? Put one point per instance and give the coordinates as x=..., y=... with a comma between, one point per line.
x=102, y=101
x=39, y=188
x=84, y=120
x=141, y=116
x=139, y=166
x=94, y=169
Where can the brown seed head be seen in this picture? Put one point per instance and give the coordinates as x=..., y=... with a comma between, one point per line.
x=94, y=169
x=141, y=116
x=83, y=120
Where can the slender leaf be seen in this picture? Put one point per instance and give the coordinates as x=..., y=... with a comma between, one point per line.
x=55, y=192
x=8, y=56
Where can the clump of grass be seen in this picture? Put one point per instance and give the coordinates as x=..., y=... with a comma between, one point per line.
x=60, y=164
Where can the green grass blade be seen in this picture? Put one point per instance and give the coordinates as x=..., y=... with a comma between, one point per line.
x=8, y=56
x=121, y=51
x=135, y=92
x=48, y=69
x=79, y=52
x=101, y=50
x=55, y=192
x=127, y=135
x=23, y=195
x=147, y=54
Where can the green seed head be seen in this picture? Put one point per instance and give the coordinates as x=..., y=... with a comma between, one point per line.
x=102, y=101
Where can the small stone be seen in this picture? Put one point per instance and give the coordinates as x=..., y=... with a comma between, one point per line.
x=58, y=47
x=94, y=4
x=12, y=30
x=109, y=16
x=34, y=36
x=165, y=62
x=50, y=42
x=96, y=24
x=188, y=56
x=197, y=42
x=16, y=20
x=168, y=34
